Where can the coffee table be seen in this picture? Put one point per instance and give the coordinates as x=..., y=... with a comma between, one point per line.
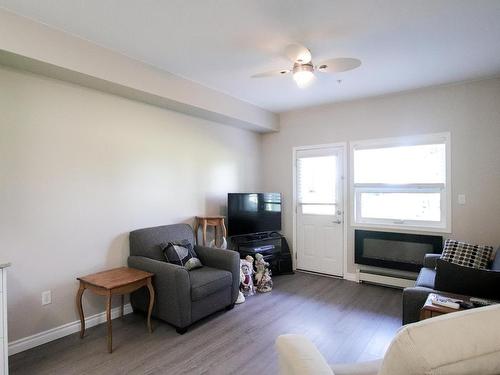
x=119, y=281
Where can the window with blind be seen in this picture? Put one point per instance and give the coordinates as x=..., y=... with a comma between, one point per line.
x=402, y=182
x=316, y=184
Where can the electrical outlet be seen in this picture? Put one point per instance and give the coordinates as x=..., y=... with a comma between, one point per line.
x=461, y=199
x=46, y=297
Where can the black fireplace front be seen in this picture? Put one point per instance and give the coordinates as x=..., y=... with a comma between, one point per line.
x=401, y=251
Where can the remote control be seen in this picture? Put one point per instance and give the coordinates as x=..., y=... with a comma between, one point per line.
x=480, y=302
x=446, y=302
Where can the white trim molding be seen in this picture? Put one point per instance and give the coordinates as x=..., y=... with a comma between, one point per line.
x=344, y=146
x=396, y=282
x=351, y=277
x=443, y=189
x=64, y=330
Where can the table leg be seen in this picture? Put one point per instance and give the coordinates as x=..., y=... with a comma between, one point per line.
x=108, y=318
x=196, y=226
x=121, y=307
x=149, y=285
x=204, y=233
x=215, y=236
x=425, y=314
x=79, y=306
x=224, y=232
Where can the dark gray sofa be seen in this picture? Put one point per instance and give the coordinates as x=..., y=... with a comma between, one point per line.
x=182, y=296
x=414, y=297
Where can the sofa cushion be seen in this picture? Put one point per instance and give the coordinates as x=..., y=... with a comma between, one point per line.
x=468, y=281
x=464, y=254
x=208, y=280
x=426, y=278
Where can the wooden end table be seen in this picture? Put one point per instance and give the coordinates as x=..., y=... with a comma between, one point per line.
x=209, y=221
x=118, y=281
x=430, y=310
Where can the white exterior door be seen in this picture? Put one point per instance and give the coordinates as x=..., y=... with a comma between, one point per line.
x=319, y=210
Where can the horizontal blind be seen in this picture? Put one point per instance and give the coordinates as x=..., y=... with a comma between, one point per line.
x=316, y=179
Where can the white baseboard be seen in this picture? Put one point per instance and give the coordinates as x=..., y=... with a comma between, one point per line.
x=386, y=280
x=66, y=329
x=351, y=277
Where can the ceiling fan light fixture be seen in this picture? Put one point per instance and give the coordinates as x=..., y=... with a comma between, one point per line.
x=303, y=74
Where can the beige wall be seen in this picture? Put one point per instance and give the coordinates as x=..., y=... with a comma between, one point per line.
x=79, y=169
x=470, y=112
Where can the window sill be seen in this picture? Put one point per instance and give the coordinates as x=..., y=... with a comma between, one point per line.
x=401, y=228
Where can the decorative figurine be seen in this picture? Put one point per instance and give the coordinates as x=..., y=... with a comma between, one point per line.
x=263, y=279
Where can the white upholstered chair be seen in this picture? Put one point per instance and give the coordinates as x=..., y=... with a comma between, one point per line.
x=466, y=342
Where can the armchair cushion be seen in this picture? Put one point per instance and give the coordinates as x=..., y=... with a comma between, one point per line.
x=475, y=282
x=361, y=368
x=207, y=280
x=227, y=260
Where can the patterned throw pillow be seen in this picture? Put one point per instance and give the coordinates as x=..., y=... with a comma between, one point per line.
x=464, y=254
x=182, y=254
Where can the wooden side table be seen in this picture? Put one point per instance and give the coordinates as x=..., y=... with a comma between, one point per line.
x=209, y=221
x=118, y=281
x=430, y=310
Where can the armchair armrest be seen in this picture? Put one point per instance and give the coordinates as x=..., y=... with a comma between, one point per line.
x=413, y=300
x=227, y=260
x=299, y=356
x=430, y=260
x=172, y=288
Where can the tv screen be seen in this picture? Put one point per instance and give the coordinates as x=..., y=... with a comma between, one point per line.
x=253, y=213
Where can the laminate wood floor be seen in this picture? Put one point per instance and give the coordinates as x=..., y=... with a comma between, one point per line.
x=347, y=321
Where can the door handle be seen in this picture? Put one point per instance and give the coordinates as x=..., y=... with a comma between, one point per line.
x=337, y=222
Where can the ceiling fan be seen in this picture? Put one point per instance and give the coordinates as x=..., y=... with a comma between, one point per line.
x=303, y=69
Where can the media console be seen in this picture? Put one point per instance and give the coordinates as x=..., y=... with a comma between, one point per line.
x=273, y=247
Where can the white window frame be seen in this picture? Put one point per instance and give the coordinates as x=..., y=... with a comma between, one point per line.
x=444, y=226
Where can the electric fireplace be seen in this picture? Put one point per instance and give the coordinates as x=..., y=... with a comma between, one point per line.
x=401, y=251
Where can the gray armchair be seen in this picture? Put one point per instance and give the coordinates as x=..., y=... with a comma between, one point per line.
x=182, y=296
x=460, y=285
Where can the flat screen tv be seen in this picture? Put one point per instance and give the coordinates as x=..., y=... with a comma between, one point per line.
x=249, y=213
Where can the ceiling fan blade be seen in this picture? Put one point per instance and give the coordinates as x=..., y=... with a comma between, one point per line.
x=340, y=64
x=271, y=73
x=298, y=53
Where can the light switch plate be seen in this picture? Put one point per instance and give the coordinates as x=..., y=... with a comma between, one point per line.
x=461, y=199
x=46, y=297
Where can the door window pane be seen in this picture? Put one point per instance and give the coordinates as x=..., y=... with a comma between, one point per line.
x=318, y=209
x=316, y=179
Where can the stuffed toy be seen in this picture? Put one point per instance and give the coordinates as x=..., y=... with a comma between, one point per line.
x=246, y=285
x=263, y=275
x=241, y=297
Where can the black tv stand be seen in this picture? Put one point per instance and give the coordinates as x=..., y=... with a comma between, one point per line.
x=272, y=245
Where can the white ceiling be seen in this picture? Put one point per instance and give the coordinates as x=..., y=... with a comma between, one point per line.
x=403, y=44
